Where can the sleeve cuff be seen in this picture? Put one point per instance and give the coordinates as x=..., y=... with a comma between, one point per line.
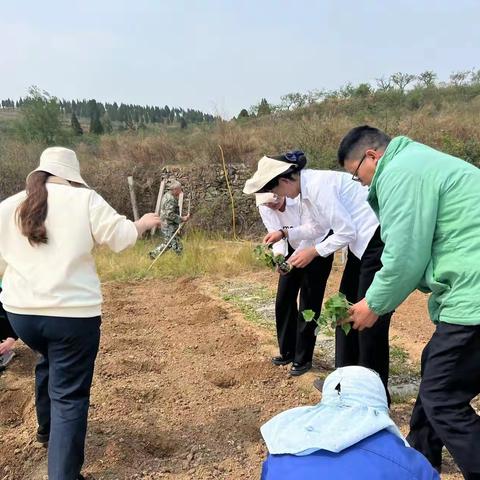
x=322, y=250
x=376, y=308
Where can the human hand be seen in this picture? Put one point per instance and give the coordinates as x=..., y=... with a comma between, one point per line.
x=362, y=316
x=273, y=237
x=280, y=271
x=6, y=345
x=147, y=222
x=185, y=218
x=303, y=257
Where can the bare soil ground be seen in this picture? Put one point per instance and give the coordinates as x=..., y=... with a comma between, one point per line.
x=182, y=384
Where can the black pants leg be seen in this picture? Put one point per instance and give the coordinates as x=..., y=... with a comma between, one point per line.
x=286, y=312
x=450, y=380
x=42, y=399
x=374, y=346
x=370, y=347
x=70, y=346
x=312, y=290
x=6, y=330
x=422, y=436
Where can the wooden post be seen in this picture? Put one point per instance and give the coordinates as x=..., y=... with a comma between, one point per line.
x=133, y=200
x=180, y=204
x=159, y=203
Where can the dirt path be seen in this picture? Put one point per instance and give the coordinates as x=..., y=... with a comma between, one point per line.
x=183, y=381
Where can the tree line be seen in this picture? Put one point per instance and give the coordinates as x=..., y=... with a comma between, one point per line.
x=50, y=120
x=123, y=113
x=394, y=88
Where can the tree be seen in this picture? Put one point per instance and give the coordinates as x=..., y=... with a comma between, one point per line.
x=291, y=101
x=475, y=77
x=460, y=78
x=427, y=79
x=363, y=90
x=96, y=126
x=75, y=124
x=183, y=123
x=346, y=91
x=41, y=117
x=243, y=113
x=106, y=123
x=264, y=108
x=402, y=80
x=95, y=113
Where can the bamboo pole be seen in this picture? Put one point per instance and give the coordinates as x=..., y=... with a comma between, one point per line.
x=232, y=202
x=133, y=200
x=158, y=204
x=180, y=204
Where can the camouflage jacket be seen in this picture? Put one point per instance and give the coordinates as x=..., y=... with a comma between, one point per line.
x=169, y=211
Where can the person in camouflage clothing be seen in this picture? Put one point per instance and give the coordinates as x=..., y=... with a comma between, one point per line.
x=171, y=219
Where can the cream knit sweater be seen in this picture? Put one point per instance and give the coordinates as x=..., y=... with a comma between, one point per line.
x=59, y=278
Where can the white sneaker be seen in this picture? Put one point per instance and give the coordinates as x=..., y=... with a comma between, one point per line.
x=6, y=358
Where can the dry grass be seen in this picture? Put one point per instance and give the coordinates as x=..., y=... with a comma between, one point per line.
x=202, y=255
x=449, y=124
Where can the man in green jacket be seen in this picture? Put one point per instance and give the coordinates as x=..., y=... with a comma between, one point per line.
x=428, y=204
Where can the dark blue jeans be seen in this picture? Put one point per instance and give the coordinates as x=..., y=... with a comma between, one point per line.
x=63, y=377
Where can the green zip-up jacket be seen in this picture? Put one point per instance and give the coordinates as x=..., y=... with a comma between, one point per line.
x=428, y=204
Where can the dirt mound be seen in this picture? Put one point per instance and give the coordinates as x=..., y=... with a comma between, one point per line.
x=181, y=387
x=206, y=313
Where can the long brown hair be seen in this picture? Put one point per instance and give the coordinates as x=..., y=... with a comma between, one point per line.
x=32, y=212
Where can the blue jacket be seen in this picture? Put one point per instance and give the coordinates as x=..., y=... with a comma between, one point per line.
x=382, y=456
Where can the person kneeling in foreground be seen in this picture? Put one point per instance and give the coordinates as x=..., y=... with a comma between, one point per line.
x=349, y=434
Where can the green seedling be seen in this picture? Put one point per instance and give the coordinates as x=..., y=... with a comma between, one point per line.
x=334, y=311
x=264, y=254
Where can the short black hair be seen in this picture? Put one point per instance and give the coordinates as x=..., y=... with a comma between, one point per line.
x=361, y=137
x=296, y=166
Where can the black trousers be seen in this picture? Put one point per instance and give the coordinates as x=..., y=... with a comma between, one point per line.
x=370, y=347
x=63, y=377
x=6, y=330
x=296, y=338
x=442, y=414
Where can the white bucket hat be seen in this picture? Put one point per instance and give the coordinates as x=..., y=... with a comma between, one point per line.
x=267, y=169
x=263, y=198
x=61, y=162
x=353, y=407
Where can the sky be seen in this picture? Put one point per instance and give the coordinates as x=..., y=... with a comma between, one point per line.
x=220, y=56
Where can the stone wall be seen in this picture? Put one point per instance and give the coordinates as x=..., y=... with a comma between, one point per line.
x=207, y=189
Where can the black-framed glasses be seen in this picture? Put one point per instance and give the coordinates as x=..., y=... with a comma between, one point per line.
x=355, y=176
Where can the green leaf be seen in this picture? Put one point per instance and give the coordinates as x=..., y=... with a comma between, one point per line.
x=308, y=315
x=346, y=327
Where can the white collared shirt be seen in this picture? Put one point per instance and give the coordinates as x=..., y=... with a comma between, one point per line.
x=333, y=201
x=289, y=219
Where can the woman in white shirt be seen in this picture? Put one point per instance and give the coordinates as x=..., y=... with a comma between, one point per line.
x=333, y=201
x=296, y=338
x=52, y=296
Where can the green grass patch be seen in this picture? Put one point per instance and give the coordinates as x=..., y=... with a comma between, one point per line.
x=202, y=255
x=251, y=301
x=400, y=363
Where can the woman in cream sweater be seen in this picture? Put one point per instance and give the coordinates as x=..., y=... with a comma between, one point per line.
x=51, y=293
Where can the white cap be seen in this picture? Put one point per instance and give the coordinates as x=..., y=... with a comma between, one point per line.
x=61, y=162
x=267, y=169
